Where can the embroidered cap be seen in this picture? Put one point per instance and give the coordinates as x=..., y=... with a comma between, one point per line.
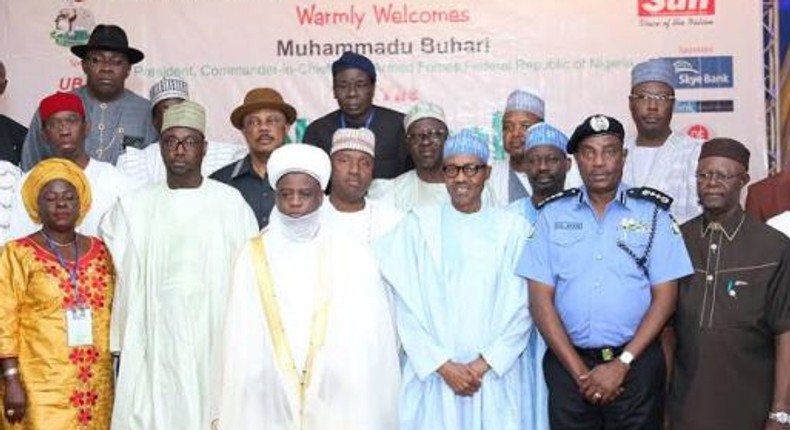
x=169, y=87
x=356, y=139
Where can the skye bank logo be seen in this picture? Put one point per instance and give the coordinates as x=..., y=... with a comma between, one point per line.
x=703, y=72
x=657, y=8
x=73, y=24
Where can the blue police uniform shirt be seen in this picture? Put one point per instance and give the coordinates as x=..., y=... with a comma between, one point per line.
x=600, y=292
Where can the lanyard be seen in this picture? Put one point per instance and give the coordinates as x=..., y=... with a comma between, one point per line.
x=367, y=121
x=72, y=272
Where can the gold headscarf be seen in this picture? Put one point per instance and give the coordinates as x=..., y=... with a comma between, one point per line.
x=48, y=170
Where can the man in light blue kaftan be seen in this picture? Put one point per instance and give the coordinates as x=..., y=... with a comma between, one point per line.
x=461, y=313
x=546, y=164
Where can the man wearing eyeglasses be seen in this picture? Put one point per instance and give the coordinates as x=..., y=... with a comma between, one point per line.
x=173, y=244
x=118, y=117
x=64, y=129
x=732, y=362
x=12, y=133
x=145, y=166
x=426, y=133
x=264, y=119
x=602, y=268
x=353, y=86
x=660, y=157
x=461, y=313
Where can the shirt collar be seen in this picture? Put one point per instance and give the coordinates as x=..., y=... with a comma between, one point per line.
x=244, y=167
x=620, y=196
x=729, y=227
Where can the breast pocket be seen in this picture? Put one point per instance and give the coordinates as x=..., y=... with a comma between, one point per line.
x=742, y=297
x=567, y=253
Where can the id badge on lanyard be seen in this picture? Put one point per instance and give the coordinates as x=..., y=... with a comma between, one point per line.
x=79, y=320
x=79, y=325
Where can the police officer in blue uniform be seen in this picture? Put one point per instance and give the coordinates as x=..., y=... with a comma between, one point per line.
x=602, y=268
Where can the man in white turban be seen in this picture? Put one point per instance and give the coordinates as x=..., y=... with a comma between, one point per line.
x=309, y=341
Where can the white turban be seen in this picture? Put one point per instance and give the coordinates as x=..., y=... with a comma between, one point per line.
x=299, y=158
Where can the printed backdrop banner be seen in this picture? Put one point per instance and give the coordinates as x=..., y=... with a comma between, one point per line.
x=466, y=55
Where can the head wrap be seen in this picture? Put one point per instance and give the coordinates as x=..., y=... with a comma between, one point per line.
x=423, y=110
x=169, y=87
x=593, y=126
x=60, y=102
x=356, y=139
x=526, y=100
x=728, y=148
x=47, y=171
x=299, y=158
x=352, y=60
x=187, y=114
x=467, y=142
x=654, y=70
x=543, y=134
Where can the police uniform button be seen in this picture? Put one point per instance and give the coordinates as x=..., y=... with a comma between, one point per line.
x=709, y=278
x=713, y=247
x=598, y=257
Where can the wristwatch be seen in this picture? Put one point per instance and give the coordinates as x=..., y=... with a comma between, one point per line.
x=626, y=358
x=782, y=417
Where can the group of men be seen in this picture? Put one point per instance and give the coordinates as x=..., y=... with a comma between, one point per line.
x=387, y=274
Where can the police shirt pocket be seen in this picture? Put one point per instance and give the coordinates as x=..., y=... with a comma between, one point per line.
x=567, y=252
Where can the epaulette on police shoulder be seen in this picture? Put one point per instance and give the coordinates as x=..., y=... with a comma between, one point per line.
x=652, y=195
x=570, y=192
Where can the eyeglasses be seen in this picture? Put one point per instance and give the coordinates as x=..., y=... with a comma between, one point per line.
x=189, y=143
x=430, y=135
x=647, y=98
x=470, y=170
x=269, y=121
x=53, y=124
x=347, y=87
x=715, y=177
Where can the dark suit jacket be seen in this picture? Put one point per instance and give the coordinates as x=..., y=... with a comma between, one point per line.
x=769, y=197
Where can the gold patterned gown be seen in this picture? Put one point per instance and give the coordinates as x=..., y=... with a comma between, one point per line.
x=67, y=387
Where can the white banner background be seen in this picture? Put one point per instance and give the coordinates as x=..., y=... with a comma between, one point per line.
x=578, y=53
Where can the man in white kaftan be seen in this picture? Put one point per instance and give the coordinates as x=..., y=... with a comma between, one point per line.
x=348, y=210
x=173, y=244
x=461, y=312
x=65, y=139
x=659, y=157
x=309, y=342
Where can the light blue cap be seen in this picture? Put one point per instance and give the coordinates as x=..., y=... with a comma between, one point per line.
x=544, y=134
x=526, y=100
x=467, y=142
x=654, y=70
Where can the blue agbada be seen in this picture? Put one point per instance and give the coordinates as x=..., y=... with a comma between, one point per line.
x=457, y=298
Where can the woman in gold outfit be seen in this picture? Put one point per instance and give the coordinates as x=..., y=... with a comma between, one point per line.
x=56, y=289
